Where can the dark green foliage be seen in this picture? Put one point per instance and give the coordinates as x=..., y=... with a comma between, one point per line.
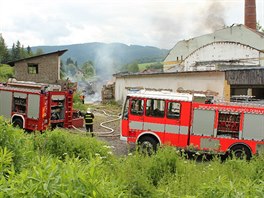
x=6, y=72
x=133, y=67
x=88, y=69
x=155, y=66
x=18, y=51
x=4, y=55
x=14, y=141
x=63, y=164
x=60, y=143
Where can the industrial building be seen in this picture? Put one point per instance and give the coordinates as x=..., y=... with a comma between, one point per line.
x=225, y=63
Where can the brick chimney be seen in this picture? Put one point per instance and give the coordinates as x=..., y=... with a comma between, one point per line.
x=250, y=14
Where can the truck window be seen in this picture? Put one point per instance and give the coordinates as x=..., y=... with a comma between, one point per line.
x=125, y=109
x=137, y=106
x=155, y=108
x=174, y=109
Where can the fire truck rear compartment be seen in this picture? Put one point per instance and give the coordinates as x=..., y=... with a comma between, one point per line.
x=5, y=103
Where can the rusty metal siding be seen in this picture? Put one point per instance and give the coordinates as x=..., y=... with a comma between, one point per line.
x=245, y=77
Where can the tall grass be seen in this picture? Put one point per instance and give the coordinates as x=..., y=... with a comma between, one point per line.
x=61, y=164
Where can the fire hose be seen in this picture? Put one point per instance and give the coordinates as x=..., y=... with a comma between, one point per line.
x=104, y=134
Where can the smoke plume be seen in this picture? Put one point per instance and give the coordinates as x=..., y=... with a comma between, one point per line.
x=214, y=18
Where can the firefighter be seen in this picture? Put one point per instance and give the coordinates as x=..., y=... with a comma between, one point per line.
x=89, y=116
x=82, y=98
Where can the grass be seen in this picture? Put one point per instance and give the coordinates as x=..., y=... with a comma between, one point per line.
x=61, y=164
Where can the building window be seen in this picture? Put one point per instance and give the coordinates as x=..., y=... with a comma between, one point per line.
x=32, y=68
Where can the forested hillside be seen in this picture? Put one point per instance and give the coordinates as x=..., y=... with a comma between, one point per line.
x=118, y=52
x=107, y=58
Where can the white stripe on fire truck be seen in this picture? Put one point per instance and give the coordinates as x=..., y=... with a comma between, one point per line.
x=170, y=128
x=153, y=126
x=135, y=125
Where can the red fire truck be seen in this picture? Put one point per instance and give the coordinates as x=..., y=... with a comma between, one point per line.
x=190, y=122
x=36, y=106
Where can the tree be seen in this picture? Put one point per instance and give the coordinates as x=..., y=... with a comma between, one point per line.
x=39, y=51
x=133, y=67
x=88, y=69
x=69, y=61
x=259, y=27
x=155, y=66
x=4, y=54
x=71, y=69
x=29, y=51
x=15, y=54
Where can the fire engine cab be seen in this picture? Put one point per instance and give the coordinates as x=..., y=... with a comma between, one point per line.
x=36, y=106
x=192, y=123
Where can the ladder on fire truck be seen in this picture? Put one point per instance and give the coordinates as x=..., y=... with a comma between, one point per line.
x=69, y=109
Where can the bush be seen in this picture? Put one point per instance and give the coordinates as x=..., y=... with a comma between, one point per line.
x=6, y=72
x=73, y=177
x=16, y=142
x=61, y=143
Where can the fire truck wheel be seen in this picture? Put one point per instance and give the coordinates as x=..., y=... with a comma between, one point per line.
x=17, y=122
x=147, y=145
x=240, y=152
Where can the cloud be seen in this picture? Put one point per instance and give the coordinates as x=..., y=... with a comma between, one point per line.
x=158, y=23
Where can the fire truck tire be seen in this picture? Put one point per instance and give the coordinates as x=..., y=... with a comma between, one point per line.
x=147, y=145
x=17, y=122
x=240, y=152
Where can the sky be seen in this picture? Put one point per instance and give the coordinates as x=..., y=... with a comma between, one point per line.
x=159, y=23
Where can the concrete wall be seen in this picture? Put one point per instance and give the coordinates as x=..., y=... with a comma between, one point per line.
x=198, y=81
x=48, y=69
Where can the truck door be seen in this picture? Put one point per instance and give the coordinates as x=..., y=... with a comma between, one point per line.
x=135, y=114
x=203, y=133
x=172, y=122
x=154, y=119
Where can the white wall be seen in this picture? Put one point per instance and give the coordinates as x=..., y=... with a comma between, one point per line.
x=242, y=55
x=199, y=81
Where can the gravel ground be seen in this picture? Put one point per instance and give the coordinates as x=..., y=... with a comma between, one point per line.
x=111, y=138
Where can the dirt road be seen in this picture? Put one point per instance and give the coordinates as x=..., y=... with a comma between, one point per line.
x=105, y=134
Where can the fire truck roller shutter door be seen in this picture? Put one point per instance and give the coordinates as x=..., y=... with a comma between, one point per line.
x=5, y=103
x=203, y=122
x=253, y=127
x=33, y=106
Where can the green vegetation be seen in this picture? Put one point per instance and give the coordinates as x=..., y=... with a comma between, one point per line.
x=152, y=65
x=62, y=164
x=17, y=52
x=259, y=27
x=6, y=72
